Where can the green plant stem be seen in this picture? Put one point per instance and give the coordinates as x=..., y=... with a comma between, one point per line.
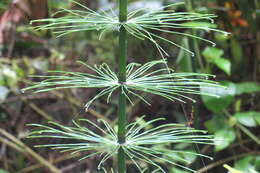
x=248, y=133
x=244, y=129
x=197, y=49
x=195, y=43
x=257, y=4
x=122, y=78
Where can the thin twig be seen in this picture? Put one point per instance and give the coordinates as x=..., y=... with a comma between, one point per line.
x=248, y=133
x=244, y=129
x=28, y=150
x=220, y=162
x=37, y=109
x=11, y=144
x=69, y=99
x=78, y=104
x=59, y=159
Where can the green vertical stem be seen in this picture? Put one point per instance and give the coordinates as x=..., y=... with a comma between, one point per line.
x=195, y=43
x=122, y=78
x=257, y=62
x=196, y=62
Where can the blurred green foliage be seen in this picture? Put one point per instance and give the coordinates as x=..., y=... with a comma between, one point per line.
x=3, y=5
x=233, y=119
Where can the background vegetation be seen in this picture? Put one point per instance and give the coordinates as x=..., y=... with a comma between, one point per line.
x=233, y=119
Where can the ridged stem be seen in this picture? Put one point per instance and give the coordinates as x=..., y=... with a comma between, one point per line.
x=122, y=78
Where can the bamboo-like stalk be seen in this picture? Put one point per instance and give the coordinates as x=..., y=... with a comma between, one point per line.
x=122, y=78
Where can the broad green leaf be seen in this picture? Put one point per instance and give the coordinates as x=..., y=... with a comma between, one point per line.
x=214, y=56
x=226, y=96
x=247, y=118
x=246, y=164
x=212, y=53
x=216, y=123
x=224, y=64
x=247, y=87
x=3, y=93
x=223, y=138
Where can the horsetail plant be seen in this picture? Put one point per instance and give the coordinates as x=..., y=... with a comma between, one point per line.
x=140, y=144
x=137, y=23
x=137, y=142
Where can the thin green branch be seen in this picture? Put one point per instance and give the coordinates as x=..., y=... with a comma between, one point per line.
x=79, y=20
x=104, y=79
x=85, y=139
x=138, y=24
x=141, y=142
x=137, y=78
x=141, y=25
x=164, y=82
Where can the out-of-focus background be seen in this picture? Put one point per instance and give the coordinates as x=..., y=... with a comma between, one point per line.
x=233, y=119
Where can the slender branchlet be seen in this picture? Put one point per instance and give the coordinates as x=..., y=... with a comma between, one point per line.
x=137, y=78
x=139, y=23
x=140, y=145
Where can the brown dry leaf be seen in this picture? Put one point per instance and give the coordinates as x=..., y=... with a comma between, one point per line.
x=18, y=11
x=9, y=18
